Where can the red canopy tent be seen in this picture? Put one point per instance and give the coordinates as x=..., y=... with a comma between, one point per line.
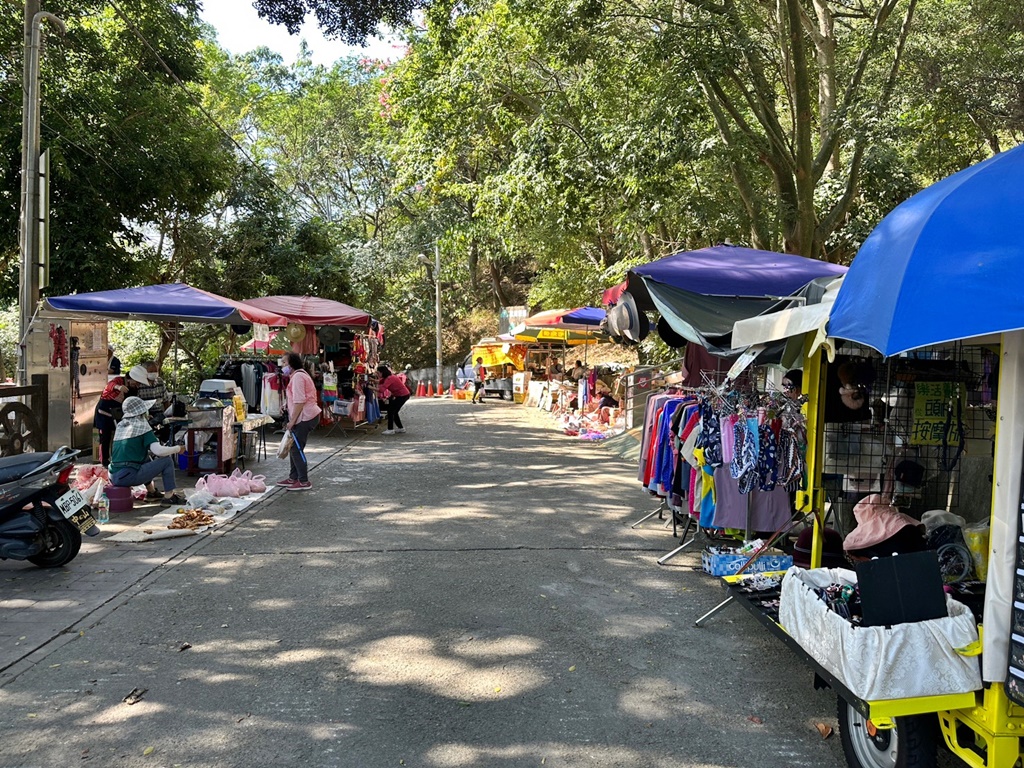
x=311, y=310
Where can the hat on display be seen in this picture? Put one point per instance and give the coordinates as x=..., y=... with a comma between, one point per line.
x=136, y=406
x=329, y=335
x=877, y=521
x=139, y=373
x=831, y=549
x=295, y=332
x=638, y=326
x=669, y=336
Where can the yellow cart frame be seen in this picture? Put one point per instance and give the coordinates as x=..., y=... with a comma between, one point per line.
x=983, y=728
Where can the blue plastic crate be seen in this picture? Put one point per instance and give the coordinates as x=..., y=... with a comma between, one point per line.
x=728, y=565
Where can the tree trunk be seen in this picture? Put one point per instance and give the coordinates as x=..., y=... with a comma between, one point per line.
x=499, y=291
x=805, y=216
x=825, y=53
x=474, y=264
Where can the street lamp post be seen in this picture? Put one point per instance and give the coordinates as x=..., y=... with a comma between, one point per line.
x=437, y=310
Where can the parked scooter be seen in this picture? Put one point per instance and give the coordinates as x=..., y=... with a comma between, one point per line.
x=41, y=518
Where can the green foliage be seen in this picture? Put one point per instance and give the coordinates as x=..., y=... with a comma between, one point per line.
x=544, y=147
x=129, y=149
x=133, y=341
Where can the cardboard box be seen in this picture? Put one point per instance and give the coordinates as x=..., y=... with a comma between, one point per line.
x=729, y=565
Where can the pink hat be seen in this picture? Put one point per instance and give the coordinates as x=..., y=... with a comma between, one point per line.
x=876, y=522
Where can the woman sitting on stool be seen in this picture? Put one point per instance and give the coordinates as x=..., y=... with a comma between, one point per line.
x=134, y=441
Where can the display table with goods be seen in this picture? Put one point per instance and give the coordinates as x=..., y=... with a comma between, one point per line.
x=209, y=438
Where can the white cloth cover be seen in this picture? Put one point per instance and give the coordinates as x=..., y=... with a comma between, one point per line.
x=879, y=663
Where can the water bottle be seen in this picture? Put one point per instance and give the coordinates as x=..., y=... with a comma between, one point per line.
x=103, y=510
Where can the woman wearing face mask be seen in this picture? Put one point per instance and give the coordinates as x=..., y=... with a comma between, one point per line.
x=303, y=416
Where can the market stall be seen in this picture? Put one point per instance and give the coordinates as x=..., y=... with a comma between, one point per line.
x=949, y=386
x=74, y=328
x=346, y=343
x=503, y=361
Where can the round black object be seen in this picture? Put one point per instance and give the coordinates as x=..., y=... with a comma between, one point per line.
x=241, y=328
x=832, y=555
x=913, y=743
x=670, y=337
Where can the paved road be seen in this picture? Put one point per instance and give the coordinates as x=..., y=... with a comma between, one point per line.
x=467, y=594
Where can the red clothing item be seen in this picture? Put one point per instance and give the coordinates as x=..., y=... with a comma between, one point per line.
x=393, y=385
x=114, y=389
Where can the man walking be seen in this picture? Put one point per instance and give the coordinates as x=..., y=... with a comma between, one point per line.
x=479, y=374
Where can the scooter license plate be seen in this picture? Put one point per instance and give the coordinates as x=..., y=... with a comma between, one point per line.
x=73, y=506
x=70, y=503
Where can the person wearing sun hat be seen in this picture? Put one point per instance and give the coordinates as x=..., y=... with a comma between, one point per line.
x=137, y=456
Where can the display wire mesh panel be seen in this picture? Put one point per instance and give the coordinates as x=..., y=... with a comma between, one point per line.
x=900, y=426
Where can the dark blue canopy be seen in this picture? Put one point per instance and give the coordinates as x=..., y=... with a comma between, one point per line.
x=173, y=302
x=729, y=270
x=942, y=266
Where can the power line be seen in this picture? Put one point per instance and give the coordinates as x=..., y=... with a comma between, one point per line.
x=135, y=30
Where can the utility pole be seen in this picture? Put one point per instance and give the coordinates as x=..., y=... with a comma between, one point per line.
x=28, y=296
x=437, y=309
x=422, y=258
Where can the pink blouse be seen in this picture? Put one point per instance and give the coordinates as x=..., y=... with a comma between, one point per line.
x=301, y=389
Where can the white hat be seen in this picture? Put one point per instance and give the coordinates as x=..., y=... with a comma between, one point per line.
x=136, y=406
x=139, y=373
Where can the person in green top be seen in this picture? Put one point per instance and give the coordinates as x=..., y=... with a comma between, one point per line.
x=131, y=463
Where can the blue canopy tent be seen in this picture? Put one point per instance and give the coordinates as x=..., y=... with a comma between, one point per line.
x=701, y=294
x=169, y=303
x=944, y=265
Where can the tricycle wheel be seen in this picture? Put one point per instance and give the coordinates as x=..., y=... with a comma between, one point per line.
x=913, y=743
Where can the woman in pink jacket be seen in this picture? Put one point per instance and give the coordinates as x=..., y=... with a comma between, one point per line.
x=393, y=389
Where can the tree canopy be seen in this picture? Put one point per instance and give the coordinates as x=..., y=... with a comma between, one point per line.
x=544, y=147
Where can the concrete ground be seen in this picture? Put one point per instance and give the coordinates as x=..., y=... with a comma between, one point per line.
x=467, y=594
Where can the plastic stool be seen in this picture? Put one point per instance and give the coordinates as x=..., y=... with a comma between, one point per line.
x=120, y=498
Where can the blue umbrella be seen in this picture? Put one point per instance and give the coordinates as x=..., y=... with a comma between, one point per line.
x=945, y=265
x=584, y=316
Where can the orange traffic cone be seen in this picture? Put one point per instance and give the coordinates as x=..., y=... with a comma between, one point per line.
x=451, y=390
x=430, y=389
x=421, y=391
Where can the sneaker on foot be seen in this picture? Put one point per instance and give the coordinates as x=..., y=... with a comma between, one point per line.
x=388, y=432
x=400, y=430
x=174, y=498
x=287, y=482
x=298, y=485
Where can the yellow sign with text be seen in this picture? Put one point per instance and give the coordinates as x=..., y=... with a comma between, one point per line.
x=935, y=419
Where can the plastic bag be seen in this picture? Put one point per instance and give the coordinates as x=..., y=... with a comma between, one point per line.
x=198, y=498
x=258, y=484
x=977, y=537
x=222, y=486
x=242, y=481
x=139, y=492
x=285, y=446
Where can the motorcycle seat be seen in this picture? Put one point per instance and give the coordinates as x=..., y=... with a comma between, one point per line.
x=15, y=467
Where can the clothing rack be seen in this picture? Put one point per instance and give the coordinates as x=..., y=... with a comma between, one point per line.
x=763, y=460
